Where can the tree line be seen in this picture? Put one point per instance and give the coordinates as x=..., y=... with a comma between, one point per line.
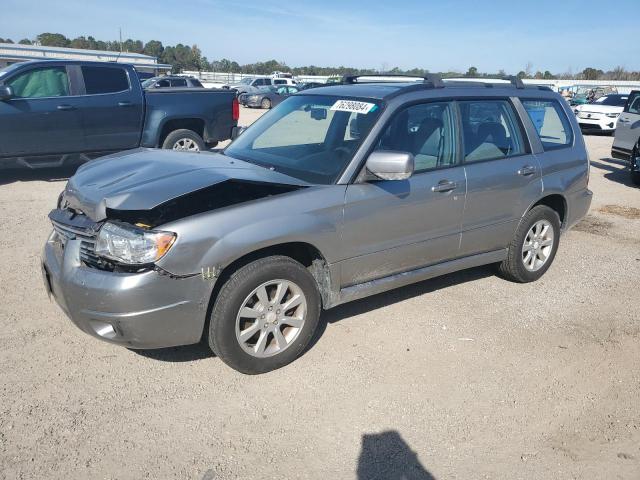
x=189, y=57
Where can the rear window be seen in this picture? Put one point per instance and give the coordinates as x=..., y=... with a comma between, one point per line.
x=105, y=80
x=551, y=123
x=195, y=83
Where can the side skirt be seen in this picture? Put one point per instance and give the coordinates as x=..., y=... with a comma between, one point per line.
x=397, y=280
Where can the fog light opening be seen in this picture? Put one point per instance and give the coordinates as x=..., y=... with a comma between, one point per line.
x=105, y=330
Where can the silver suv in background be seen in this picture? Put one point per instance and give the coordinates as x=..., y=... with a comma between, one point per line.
x=626, y=145
x=337, y=193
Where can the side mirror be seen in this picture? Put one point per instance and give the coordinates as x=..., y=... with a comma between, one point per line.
x=388, y=165
x=236, y=132
x=6, y=92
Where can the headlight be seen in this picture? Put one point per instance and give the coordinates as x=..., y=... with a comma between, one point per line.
x=613, y=115
x=128, y=244
x=253, y=97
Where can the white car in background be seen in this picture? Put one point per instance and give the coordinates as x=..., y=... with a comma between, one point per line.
x=601, y=115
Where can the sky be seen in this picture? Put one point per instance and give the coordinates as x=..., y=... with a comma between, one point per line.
x=558, y=36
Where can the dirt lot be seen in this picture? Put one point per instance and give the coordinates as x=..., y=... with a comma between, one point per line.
x=466, y=376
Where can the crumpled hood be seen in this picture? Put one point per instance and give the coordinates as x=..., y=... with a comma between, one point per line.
x=143, y=179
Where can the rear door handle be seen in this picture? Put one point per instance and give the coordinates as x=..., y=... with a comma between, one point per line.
x=125, y=104
x=66, y=107
x=444, y=186
x=527, y=170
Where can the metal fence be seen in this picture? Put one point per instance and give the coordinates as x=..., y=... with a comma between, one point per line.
x=213, y=79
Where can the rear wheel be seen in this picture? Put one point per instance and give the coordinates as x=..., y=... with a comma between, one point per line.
x=265, y=315
x=533, y=247
x=265, y=103
x=184, y=140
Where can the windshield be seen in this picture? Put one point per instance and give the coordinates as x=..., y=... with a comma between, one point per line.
x=9, y=68
x=613, y=100
x=312, y=138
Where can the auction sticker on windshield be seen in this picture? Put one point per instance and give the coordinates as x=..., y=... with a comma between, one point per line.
x=352, y=106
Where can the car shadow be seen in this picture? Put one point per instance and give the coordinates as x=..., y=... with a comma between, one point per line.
x=616, y=170
x=381, y=300
x=201, y=351
x=386, y=456
x=186, y=353
x=25, y=174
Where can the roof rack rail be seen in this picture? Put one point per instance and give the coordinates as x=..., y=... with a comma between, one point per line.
x=515, y=81
x=432, y=78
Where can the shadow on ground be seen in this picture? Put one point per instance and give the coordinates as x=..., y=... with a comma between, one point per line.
x=386, y=456
x=617, y=170
x=41, y=174
x=201, y=351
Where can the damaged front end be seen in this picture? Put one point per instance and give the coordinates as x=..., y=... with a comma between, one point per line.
x=128, y=241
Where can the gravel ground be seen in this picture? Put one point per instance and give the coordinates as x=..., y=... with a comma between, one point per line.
x=466, y=376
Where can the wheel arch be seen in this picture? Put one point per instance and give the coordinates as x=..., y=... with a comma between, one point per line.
x=194, y=124
x=303, y=252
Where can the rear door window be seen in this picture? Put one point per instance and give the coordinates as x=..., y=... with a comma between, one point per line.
x=41, y=83
x=100, y=79
x=178, y=82
x=551, y=123
x=490, y=130
x=633, y=106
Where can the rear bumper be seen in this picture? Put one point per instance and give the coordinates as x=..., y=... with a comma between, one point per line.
x=136, y=310
x=578, y=204
x=621, y=153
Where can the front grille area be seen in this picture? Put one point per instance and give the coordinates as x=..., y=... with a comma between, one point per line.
x=590, y=126
x=87, y=237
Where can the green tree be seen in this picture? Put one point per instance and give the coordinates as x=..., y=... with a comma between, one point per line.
x=153, y=48
x=5, y=40
x=25, y=41
x=53, y=40
x=472, y=72
x=548, y=75
x=80, y=42
x=591, y=73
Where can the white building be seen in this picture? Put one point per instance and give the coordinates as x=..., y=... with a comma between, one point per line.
x=13, y=53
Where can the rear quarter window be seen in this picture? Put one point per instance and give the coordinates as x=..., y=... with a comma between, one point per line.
x=633, y=106
x=105, y=80
x=551, y=123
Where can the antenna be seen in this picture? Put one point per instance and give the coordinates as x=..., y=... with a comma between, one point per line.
x=120, y=52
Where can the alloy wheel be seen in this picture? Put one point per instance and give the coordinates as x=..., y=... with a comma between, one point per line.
x=538, y=245
x=271, y=318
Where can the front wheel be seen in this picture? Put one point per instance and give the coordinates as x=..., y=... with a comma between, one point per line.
x=265, y=103
x=265, y=315
x=635, y=160
x=184, y=140
x=533, y=247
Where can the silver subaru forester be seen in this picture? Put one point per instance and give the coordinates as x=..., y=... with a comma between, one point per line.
x=338, y=193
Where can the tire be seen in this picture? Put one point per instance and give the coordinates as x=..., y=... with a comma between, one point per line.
x=513, y=267
x=265, y=103
x=190, y=141
x=635, y=176
x=260, y=351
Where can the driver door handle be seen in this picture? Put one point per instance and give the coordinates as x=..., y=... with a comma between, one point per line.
x=66, y=107
x=527, y=170
x=444, y=186
x=125, y=104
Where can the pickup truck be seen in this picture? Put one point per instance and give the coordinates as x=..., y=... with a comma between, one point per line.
x=52, y=112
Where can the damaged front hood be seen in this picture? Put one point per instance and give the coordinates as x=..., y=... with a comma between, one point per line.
x=144, y=179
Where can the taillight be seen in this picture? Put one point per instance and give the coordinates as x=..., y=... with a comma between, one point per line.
x=235, y=109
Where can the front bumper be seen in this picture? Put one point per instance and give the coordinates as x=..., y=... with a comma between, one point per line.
x=604, y=124
x=136, y=310
x=249, y=102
